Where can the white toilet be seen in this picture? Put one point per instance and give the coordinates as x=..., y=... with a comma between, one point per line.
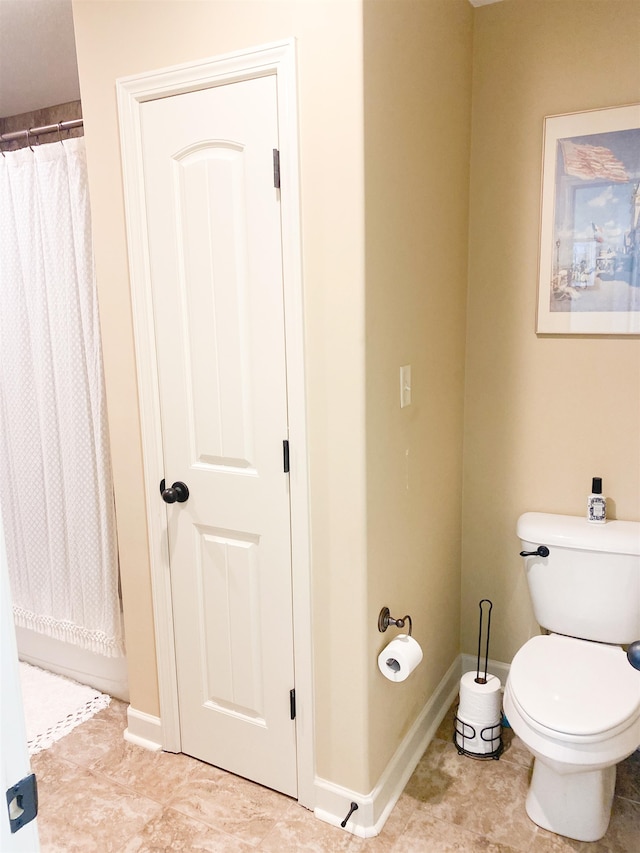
x=572, y=696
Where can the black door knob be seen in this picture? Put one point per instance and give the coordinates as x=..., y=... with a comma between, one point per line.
x=177, y=493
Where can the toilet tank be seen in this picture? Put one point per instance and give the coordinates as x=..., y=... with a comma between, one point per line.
x=589, y=584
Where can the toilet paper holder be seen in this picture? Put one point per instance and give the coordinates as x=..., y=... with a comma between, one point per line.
x=385, y=619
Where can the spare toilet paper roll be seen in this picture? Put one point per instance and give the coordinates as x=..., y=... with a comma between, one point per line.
x=398, y=660
x=479, y=714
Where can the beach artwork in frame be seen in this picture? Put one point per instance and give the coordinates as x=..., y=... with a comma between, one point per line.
x=589, y=278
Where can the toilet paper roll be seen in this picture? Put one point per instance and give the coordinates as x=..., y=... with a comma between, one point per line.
x=398, y=660
x=479, y=714
x=480, y=702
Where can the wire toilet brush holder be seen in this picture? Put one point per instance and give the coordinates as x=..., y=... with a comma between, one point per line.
x=468, y=735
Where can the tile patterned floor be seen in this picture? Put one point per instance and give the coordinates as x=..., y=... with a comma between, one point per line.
x=100, y=793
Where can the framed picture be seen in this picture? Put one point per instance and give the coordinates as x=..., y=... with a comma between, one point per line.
x=589, y=276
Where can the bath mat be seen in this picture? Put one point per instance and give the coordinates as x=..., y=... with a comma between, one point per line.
x=54, y=705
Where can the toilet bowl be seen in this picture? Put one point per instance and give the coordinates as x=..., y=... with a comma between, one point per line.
x=576, y=705
x=571, y=695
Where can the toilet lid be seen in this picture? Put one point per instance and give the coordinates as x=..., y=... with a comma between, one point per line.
x=574, y=686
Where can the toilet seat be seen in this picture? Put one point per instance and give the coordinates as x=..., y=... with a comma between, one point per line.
x=573, y=688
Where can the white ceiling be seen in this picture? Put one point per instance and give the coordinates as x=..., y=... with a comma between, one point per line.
x=38, y=65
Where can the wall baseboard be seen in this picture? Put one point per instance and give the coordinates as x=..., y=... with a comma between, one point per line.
x=333, y=801
x=144, y=730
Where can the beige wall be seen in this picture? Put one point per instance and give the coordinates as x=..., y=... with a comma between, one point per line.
x=116, y=39
x=385, y=103
x=417, y=100
x=542, y=415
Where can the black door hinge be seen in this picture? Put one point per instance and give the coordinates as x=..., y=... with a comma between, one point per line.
x=285, y=456
x=22, y=802
x=292, y=703
x=276, y=168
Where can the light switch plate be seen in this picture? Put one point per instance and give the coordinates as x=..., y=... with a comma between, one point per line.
x=405, y=386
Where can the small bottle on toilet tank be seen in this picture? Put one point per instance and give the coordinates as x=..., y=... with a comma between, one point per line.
x=596, y=503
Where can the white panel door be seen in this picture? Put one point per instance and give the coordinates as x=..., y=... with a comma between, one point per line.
x=216, y=268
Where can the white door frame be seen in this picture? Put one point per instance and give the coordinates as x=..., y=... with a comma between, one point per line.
x=278, y=59
x=14, y=758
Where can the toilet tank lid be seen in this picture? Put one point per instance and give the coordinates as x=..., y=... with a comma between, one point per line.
x=571, y=531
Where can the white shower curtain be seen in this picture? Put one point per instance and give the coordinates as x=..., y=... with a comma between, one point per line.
x=55, y=477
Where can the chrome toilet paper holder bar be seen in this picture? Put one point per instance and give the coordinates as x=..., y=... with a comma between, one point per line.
x=385, y=619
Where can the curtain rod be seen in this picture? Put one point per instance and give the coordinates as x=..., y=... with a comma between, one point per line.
x=39, y=131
